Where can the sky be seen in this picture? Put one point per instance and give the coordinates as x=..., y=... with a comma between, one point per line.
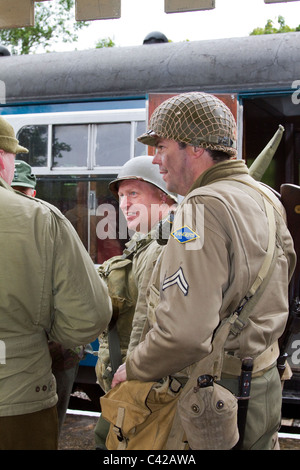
x=230, y=18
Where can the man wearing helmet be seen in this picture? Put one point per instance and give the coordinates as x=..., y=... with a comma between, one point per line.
x=144, y=201
x=217, y=246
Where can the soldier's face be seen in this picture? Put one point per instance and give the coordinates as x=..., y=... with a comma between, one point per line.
x=174, y=165
x=142, y=204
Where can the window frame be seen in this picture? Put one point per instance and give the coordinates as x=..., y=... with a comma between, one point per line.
x=92, y=118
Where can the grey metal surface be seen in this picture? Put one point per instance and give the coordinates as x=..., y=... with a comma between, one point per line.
x=229, y=65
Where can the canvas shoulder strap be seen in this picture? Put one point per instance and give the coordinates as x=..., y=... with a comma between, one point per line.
x=237, y=320
x=263, y=276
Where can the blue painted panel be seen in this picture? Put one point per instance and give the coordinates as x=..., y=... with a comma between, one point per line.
x=69, y=107
x=89, y=359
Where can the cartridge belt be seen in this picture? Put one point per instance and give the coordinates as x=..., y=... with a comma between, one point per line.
x=232, y=364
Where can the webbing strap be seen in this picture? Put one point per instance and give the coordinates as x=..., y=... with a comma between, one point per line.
x=270, y=251
x=117, y=428
x=266, y=268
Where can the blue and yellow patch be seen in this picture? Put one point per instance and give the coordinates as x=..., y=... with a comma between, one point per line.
x=184, y=234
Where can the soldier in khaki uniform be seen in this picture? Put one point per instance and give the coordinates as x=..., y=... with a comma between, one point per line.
x=216, y=248
x=144, y=201
x=49, y=289
x=65, y=362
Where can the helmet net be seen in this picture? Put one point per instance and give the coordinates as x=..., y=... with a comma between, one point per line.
x=198, y=119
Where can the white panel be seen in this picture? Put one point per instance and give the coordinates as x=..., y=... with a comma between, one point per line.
x=16, y=13
x=280, y=1
x=87, y=10
x=174, y=6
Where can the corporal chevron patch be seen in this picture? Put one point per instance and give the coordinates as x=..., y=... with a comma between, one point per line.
x=177, y=279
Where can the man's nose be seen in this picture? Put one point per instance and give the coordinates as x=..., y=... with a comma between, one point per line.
x=124, y=203
x=156, y=160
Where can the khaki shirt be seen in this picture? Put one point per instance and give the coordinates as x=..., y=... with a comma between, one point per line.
x=201, y=278
x=143, y=264
x=49, y=289
x=127, y=281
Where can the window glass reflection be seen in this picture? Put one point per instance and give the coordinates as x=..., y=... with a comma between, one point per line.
x=90, y=216
x=35, y=139
x=69, y=146
x=139, y=148
x=113, y=144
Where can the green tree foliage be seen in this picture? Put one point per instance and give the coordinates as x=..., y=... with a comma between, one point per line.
x=270, y=28
x=106, y=42
x=54, y=22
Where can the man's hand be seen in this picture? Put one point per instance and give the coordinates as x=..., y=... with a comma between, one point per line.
x=120, y=376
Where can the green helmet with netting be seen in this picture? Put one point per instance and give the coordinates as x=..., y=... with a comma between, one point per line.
x=195, y=118
x=140, y=168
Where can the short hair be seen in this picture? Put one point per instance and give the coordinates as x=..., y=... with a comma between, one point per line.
x=216, y=155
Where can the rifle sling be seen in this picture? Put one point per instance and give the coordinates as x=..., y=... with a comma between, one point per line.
x=263, y=276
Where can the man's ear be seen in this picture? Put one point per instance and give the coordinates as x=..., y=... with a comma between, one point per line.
x=2, y=166
x=197, y=151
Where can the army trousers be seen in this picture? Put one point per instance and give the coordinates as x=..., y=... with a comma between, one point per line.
x=264, y=409
x=101, y=431
x=31, y=431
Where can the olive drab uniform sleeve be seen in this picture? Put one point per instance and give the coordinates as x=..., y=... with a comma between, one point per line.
x=207, y=267
x=143, y=265
x=82, y=307
x=118, y=274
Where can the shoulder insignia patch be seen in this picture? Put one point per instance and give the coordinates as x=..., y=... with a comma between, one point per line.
x=179, y=279
x=184, y=234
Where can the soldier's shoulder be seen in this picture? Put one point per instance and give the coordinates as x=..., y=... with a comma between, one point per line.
x=50, y=207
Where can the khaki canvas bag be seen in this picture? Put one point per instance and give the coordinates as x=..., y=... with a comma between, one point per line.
x=206, y=414
x=141, y=414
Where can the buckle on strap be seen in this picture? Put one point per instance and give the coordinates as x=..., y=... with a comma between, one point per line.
x=238, y=325
x=175, y=385
x=117, y=428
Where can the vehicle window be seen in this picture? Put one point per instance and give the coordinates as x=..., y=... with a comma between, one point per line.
x=70, y=146
x=35, y=139
x=113, y=144
x=87, y=146
x=90, y=207
x=140, y=149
